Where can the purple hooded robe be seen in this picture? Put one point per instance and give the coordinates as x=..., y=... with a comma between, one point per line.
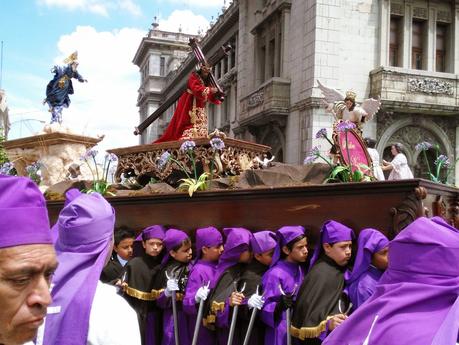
x=417, y=298
x=287, y=274
x=200, y=274
x=227, y=275
x=364, y=277
x=84, y=243
x=173, y=239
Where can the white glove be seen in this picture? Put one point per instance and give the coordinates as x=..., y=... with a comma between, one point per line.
x=172, y=285
x=256, y=301
x=201, y=294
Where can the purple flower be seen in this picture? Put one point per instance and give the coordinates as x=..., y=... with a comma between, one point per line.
x=345, y=126
x=309, y=159
x=442, y=161
x=163, y=159
x=33, y=168
x=89, y=154
x=424, y=146
x=322, y=133
x=111, y=157
x=187, y=145
x=6, y=168
x=217, y=144
x=312, y=155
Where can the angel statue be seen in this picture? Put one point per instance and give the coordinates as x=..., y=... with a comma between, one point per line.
x=345, y=108
x=60, y=87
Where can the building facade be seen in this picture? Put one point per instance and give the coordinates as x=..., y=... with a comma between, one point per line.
x=406, y=52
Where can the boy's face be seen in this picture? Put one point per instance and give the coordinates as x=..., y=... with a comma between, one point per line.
x=183, y=254
x=266, y=257
x=381, y=259
x=125, y=248
x=212, y=254
x=299, y=251
x=153, y=246
x=245, y=257
x=340, y=252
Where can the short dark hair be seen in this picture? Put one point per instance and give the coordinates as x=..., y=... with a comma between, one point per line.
x=185, y=242
x=290, y=244
x=122, y=233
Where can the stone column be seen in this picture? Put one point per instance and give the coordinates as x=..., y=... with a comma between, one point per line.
x=431, y=38
x=407, y=34
x=455, y=34
x=285, y=49
x=384, y=32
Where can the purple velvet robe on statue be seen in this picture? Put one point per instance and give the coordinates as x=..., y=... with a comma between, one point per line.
x=364, y=277
x=290, y=276
x=417, y=298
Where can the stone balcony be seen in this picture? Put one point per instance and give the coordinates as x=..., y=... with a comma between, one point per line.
x=269, y=102
x=416, y=91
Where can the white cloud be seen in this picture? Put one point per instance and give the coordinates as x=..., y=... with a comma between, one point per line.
x=107, y=103
x=187, y=20
x=100, y=7
x=201, y=3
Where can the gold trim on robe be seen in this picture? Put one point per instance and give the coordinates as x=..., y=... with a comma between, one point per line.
x=309, y=332
x=144, y=296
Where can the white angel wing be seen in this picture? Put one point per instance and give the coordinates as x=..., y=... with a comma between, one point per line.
x=371, y=107
x=331, y=95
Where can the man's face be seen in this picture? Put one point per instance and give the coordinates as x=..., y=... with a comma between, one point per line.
x=153, y=246
x=340, y=252
x=183, y=254
x=266, y=258
x=381, y=259
x=125, y=248
x=25, y=276
x=212, y=254
x=299, y=251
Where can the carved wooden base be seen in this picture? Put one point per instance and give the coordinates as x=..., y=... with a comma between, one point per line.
x=143, y=161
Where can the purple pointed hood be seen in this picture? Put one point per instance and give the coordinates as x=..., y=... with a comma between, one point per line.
x=417, y=299
x=172, y=239
x=23, y=214
x=262, y=241
x=370, y=241
x=207, y=237
x=237, y=242
x=331, y=232
x=285, y=235
x=85, y=241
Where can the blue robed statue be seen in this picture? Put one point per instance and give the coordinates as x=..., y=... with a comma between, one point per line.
x=60, y=87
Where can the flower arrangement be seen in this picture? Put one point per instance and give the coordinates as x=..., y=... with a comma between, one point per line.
x=100, y=182
x=7, y=168
x=338, y=172
x=442, y=166
x=193, y=182
x=33, y=171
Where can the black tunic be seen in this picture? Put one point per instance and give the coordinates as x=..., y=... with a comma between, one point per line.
x=318, y=299
x=112, y=271
x=252, y=276
x=140, y=277
x=225, y=286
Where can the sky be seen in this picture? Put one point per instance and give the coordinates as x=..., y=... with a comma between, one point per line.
x=38, y=34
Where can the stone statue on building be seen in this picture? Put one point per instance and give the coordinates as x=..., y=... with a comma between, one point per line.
x=60, y=87
x=345, y=107
x=4, y=116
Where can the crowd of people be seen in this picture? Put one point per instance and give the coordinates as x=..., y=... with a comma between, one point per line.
x=217, y=287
